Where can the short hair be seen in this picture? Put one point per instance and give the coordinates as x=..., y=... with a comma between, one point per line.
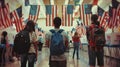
x=30, y=26
x=4, y=33
x=57, y=22
x=94, y=17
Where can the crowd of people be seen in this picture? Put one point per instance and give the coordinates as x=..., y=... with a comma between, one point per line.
x=57, y=40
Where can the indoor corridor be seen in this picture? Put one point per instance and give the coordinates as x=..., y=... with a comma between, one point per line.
x=43, y=60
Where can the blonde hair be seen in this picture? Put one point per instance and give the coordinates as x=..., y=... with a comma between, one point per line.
x=75, y=34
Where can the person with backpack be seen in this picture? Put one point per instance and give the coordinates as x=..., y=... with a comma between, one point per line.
x=4, y=42
x=96, y=41
x=27, y=48
x=57, y=38
x=76, y=44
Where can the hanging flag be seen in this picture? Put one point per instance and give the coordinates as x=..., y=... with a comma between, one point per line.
x=117, y=17
x=88, y=13
x=1, y=24
x=115, y=10
x=2, y=2
x=105, y=20
x=82, y=17
x=115, y=4
x=100, y=13
x=51, y=13
x=27, y=2
x=25, y=12
x=69, y=16
x=34, y=12
x=54, y=12
x=48, y=15
x=110, y=12
x=17, y=16
x=5, y=16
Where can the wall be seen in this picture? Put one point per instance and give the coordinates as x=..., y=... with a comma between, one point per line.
x=42, y=24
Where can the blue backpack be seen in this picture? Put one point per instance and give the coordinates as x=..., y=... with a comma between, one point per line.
x=57, y=46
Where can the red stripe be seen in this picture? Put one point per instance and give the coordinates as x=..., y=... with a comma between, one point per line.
x=46, y=20
x=69, y=19
x=8, y=21
x=53, y=14
x=80, y=11
x=38, y=11
x=3, y=19
x=82, y=14
x=72, y=20
x=65, y=16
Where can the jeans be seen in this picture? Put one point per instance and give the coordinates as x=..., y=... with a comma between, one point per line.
x=96, y=54
x=30, y=57
x=76, y=49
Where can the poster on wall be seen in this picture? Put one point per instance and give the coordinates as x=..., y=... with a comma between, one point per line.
x=113, y=39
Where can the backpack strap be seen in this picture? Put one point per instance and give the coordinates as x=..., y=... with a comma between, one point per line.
x=53, y=31
x=60, y=31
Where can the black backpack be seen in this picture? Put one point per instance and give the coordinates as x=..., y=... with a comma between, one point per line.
x=22, y=42
x=98, y=35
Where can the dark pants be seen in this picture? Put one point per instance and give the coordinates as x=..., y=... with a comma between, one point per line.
x=96, y=53
x=76, y=49
x=31, y=59
x=2, y=55
x=40, y=46
x=58, y=64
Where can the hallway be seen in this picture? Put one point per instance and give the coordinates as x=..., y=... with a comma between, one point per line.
x=82, y=62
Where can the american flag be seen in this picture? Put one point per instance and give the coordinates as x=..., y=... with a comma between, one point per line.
x=82, y=17
x=118, y=16
x=85, y=13
x=114, y=14
x=105, y=20
x=100, y=13
x=67, y=15
x=17, y=19
x=5, y=16
x=34, y=12
x=110, y=15
x=1, y=24
x=51, y=13
x=88, y=13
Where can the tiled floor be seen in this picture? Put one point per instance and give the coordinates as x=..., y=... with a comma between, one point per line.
x=82, y=62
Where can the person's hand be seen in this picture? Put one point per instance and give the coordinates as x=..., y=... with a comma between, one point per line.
x=80, y=46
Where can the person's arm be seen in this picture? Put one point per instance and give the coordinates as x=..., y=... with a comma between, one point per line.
x=35, y=42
